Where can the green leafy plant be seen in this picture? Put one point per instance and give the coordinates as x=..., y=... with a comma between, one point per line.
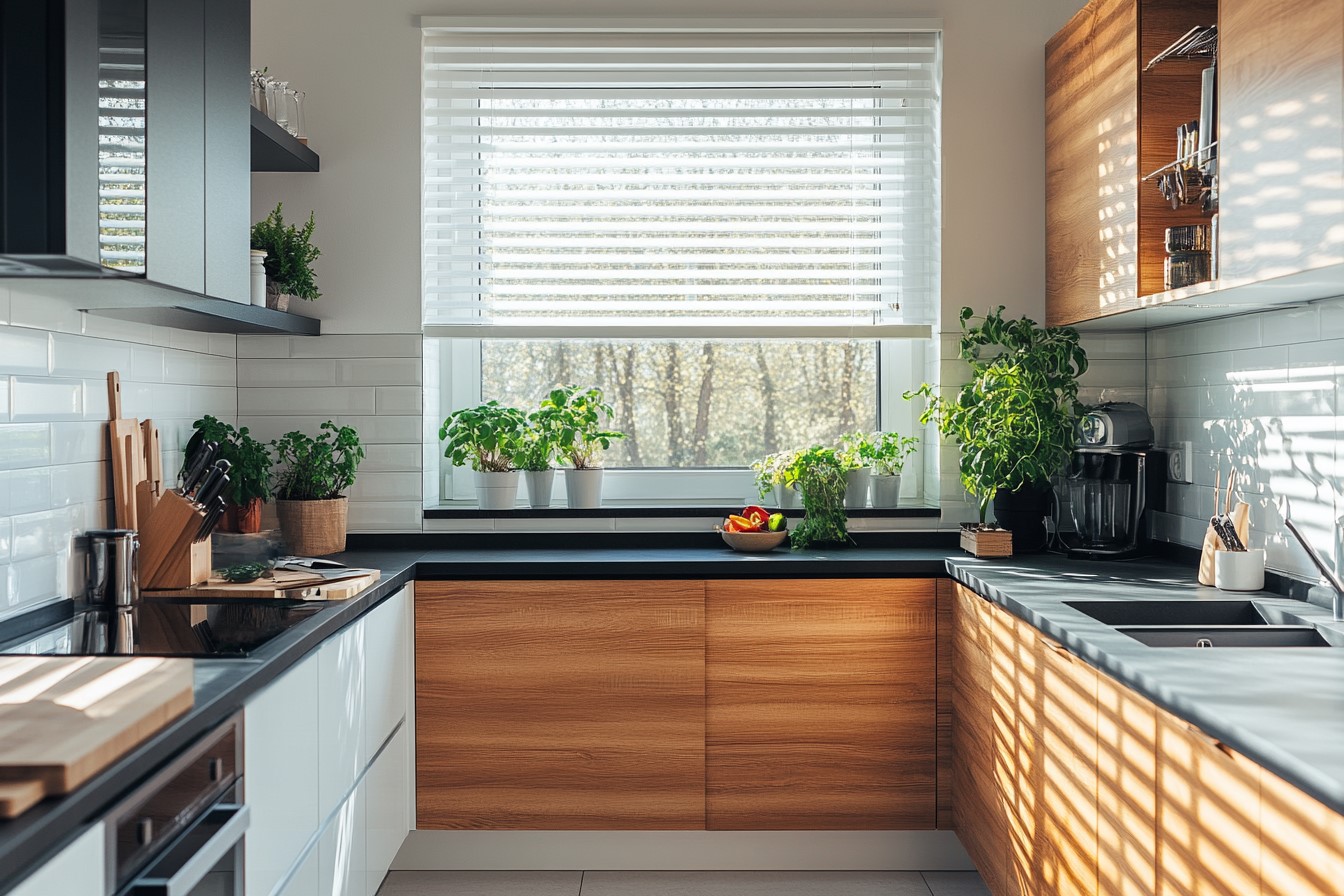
x=540, y=445
x=576, y=417
x=775, y=469
x=289, y=253
x=850, y=448
x=820, y=475
x=488, y=437
x=886, y=452
x=250, y=462
x=1015, y=418
x=316, y=468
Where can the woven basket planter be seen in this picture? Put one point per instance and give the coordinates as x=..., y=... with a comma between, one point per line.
x=313, y=528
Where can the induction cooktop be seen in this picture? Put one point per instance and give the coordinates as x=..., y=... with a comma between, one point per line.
x=165, y=627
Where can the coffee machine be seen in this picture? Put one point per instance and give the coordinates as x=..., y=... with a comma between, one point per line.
x=1109, y=483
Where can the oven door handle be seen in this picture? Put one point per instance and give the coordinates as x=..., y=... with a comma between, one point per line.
x=232, y=820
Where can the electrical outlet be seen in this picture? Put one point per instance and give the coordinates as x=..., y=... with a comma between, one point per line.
x=1179, y=462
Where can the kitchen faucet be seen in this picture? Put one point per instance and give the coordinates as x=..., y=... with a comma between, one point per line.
x=1326, y=572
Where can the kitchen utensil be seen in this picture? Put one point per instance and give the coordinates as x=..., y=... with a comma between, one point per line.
x=170, y=556
x=1212, y=542
x=111, y=568
x=214, y=483
x=213, y=512
x=64, y=719
x=282, y=584
x=198, y=466
x=149, y=437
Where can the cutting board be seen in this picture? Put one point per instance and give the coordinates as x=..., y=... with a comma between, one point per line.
x=64, y=719
x=285, y=583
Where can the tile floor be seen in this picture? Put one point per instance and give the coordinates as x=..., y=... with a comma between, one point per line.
x=683, y=883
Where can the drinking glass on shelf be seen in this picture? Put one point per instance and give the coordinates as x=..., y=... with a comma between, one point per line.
x=300, y=128
x=275, y=99
x=259, y=91
x=291, y=122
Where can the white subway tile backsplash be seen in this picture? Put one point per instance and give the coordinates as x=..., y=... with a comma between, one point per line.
x=39, y=580
x=373, y=486
x=6, y=542
x=146, y=364
x=391, y=459
x=1290, y=325
x=378, y=372
x=384, y=516
x=24, y=351
x=6, y=386
x=81, y=356
x=332, y=346
x=25, y=491
x=310, y=401
x=45, y=399
x=75, y=484
x=286, y=373
x=189, y=340
x=397, y=400
x=4, y=307
x=38, y=534
x=224, y=344
x=41, y=313
x=24, y=445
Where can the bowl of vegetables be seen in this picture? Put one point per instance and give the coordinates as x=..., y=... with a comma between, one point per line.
x=754, y=530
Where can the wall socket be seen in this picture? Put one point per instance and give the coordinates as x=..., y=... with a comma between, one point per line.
x=1179, y=462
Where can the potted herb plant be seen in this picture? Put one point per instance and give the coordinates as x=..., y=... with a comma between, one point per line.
x=536, y=459
x=1014, y=419
x=313, y=474
x=885, y=454
x=487, y=437
x=249, y=471
x=289, y=258
x=776, y=475
x=577, y=418
x=849, y=451
x=820, y=475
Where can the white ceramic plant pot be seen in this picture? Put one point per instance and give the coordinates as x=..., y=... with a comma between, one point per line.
x=583, y=488
x=886, y=490
x=497, y=491
x=856, y=489
x=540, y=484
x=785, y=497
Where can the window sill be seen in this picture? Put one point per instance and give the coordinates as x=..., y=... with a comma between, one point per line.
x=467, y=511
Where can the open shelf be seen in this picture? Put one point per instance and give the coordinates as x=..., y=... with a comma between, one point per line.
x=276, y=149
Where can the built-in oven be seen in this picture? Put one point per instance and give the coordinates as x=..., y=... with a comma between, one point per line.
x=181, y=832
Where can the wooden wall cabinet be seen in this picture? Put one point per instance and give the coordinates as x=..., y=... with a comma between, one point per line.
x=1281, y=127
x=821, y=705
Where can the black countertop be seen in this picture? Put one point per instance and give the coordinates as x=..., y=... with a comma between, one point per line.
x=1283, y=708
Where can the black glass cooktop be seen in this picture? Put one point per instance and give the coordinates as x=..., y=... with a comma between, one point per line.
x=165, y=627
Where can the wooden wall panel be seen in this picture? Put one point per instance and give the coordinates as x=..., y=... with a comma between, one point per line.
x=560, y=705
x=821, y=705
x=1091, y=136
x=1126, y=791
x=1281, y=70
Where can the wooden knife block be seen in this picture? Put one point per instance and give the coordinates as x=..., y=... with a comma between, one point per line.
x=170, y=557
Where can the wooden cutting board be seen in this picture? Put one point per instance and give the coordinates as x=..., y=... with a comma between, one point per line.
x=284, y=583
x=64, y=719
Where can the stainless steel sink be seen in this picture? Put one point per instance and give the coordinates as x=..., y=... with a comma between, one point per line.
x=1226, y=636
x=1174, y=612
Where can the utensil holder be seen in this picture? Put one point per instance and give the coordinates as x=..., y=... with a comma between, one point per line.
x=1239, y=570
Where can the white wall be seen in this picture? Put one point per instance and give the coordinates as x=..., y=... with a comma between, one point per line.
x=359, y=61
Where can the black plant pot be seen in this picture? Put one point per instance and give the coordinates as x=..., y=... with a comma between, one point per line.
x=1023, y=512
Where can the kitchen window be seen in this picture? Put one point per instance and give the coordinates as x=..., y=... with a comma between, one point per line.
x=734, y=232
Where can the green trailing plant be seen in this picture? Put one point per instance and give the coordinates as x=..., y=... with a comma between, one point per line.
x=250, y=462
x=820, y=477
x=1015, y=418
x=886, y=452
x=577, y=418
x=290, y=253
x=316, y=468
x=488, y=437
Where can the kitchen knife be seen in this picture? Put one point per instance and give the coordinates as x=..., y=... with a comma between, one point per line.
x=212, y=515
x=197, y=466
x=214, y=483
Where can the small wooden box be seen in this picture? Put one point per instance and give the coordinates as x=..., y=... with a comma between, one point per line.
x=986, y=542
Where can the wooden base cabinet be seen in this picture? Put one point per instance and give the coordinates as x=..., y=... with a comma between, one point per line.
x=1302, y=842
x=1126, y=791
x=821, y=705
x=560, y=705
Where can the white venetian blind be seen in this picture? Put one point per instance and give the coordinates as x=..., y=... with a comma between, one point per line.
x=675, y=183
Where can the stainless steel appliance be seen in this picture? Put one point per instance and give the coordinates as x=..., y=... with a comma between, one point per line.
x=112, y=558
x=181, y=832
x=1107, y=486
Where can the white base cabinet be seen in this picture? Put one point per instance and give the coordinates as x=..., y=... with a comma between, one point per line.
x=77, y=870
x=327, y=769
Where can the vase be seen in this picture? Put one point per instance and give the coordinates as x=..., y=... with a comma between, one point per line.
x=243, y=518
x=540, y=485
x=275, y=299
x=856, y=489
x=1023, y=512
x=786, y=497
x=313, y=528
x=583, y=488
x=886, y=489
x=497, y=491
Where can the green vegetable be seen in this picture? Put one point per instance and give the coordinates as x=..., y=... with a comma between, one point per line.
x=242, y=573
